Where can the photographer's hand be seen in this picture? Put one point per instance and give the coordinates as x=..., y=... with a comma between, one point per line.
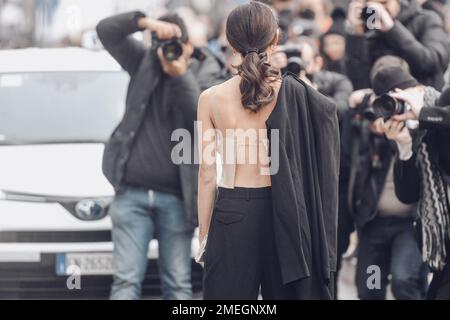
x=178, y=67
x=414, y=99
x=163, y=30
x=354, y=16
x=385, y=19
x=398, y=132
x=357, y=97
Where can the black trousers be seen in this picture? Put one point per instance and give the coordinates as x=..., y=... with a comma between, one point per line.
x=240, y=254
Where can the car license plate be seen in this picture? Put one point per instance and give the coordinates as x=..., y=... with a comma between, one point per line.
x=89, y=264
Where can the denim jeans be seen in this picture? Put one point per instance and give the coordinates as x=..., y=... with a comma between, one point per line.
x=391, y=245
x=138, y=216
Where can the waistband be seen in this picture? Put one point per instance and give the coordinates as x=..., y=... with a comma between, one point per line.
x=245, y=193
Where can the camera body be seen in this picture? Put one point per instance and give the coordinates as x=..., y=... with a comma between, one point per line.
x=295, y=63
x=172, y=48
x=365, y=110
x=386, y=107
x=366, y=14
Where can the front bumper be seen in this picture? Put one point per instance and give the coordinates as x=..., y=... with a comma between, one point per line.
x=28, y=271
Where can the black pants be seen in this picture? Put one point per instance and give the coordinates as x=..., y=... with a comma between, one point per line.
x=391, y=245
x=240, y=255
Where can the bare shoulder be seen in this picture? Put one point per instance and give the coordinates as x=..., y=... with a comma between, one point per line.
x=218, y=92
x=206, y=98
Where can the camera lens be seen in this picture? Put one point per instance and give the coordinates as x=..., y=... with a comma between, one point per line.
x=386, y=107
x=172, y=50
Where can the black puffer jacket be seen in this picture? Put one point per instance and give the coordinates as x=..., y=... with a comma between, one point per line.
x=418, y=36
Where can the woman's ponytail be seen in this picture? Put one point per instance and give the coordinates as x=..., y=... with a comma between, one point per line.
x=257, y=76
x=251, y=30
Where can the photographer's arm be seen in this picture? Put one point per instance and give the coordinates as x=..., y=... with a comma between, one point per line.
x=342, y=93
x=427, y=54
x=407, y=181
x=435, y=118
x=357, y=58
x=115, y=33
x=406, y=175
x=357, y=61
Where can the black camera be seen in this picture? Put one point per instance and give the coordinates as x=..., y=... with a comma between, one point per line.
x=172, y=49
x=365, y=110
x=295, y=63
x=386, y=107
x=366, y=15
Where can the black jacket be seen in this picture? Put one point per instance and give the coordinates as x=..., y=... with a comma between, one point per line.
x=305, y=189
x=407, y=181
x=335, y=86
x=181, y=93
x=338, y=88
x=371, y=160
x=418, y=36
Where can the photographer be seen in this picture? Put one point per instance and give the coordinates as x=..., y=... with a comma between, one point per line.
x=386, y=226
x=310, y=69
x=396, y=27
x=154, y=197
x=421, y=176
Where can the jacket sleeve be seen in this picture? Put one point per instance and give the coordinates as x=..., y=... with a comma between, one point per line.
x=343, y=88
x=442, y=145
x=428, y=54
x=435, y=118
x=326, y=136
x=407, y=181
x=115, y=33
x=357, y=61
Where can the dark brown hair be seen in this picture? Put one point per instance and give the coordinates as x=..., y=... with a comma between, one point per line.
x=251, y=29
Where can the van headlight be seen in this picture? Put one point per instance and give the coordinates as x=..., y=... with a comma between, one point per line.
x=2, y=195
x=91, y=210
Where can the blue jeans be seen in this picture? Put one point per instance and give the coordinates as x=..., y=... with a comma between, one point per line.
x=391, y=245
x=138, y=216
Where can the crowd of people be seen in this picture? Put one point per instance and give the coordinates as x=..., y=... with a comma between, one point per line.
x=384, y=65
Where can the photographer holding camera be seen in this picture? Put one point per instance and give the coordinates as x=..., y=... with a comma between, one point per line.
x=422, y=175
x=396, y=27
x=386, y=226
x=304, y=60
x=154, y=196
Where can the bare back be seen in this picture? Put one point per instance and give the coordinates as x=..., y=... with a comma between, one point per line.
x=242, y=139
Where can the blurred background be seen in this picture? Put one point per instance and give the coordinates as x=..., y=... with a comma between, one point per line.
x=53, y=195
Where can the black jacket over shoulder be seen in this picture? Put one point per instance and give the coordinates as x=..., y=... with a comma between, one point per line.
x=305, y=189
x=418, y=36
x=146, y=73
